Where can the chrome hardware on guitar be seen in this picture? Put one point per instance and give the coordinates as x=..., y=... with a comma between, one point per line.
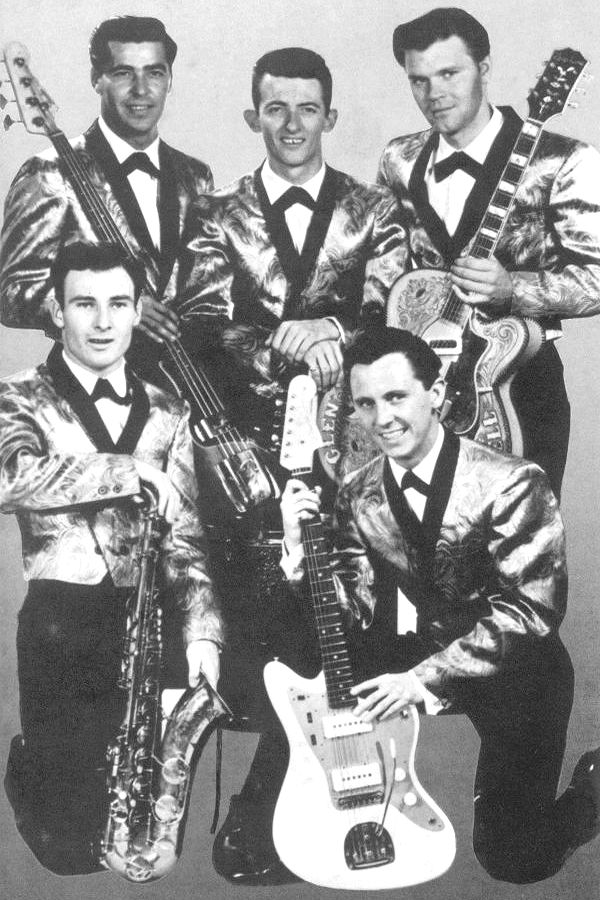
x=351, y=813
x=149, y=777
x=481, y=354
x=229, y=460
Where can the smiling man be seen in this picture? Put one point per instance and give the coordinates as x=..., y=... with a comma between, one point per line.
x=146, y=185
x=79, y=437
x=452, y=577
x=547, y=261
x=281, y=267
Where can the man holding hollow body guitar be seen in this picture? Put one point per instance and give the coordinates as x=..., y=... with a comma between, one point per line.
x=471, y=542
x=547, y=263
x=146, y=185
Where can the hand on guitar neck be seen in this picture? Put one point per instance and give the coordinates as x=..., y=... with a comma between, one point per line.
x=159, y=322
x=483, y=283
x=314, y=343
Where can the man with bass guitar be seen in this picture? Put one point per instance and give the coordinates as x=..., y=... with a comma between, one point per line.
x=546, y=264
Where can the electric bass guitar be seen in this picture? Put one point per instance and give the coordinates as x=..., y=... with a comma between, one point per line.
x=351, y=813
x=227, y=457
x=481, y=354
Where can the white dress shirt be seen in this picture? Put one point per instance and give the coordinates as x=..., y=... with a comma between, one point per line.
x=143, y=185
x=298, y=216
x=114, y=415
x=448, y=197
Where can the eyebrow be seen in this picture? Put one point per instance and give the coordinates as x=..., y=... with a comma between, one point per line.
x=95, y=299
x=130, y=68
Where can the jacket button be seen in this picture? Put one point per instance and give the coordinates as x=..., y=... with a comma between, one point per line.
x=103, y=489
x=117, y=488
x=98, y=551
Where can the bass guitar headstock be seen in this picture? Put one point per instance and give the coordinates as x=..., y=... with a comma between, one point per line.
x=34, y=104
x=556, y=84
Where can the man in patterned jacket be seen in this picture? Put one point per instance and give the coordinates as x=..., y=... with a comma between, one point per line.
x=80, y=436
x=547, y=262
x=280, y=266
x=146, y=185
x=452, y=576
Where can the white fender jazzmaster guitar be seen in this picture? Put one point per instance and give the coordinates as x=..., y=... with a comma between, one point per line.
x=351, y=813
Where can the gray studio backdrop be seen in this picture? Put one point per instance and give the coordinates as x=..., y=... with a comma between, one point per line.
x=219, y=40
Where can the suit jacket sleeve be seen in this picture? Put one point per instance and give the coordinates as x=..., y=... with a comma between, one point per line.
x=33, y=478
x=36, y=223
x=571, y=288
x=184, y=556
x=387, y=259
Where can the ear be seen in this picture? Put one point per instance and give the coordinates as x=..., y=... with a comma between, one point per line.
x=57, y=314
x=138, y=312
x=485, y=69
x=95, y=79
x=437, y=392
x=330, y=120
x=252, y=120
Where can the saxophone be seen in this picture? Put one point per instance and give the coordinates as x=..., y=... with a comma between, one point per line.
x=149, y=777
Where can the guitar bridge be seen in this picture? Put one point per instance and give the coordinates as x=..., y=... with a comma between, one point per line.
x=367, y=845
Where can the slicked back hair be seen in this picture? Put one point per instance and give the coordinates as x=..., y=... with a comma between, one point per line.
x=127, y=29
x=80, y=256
x=377, y=341
x=438, y=25
x=292, y=62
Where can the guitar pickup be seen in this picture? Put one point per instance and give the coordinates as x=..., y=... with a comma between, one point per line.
x=356, y=778
x=344, y=725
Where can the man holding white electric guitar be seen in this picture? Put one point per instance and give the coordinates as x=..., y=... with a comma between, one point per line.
x=471, y=542
x=513, y=215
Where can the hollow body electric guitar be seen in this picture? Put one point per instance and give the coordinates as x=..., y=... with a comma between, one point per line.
x=351, y=813
x=227, y=457
x=481, y=354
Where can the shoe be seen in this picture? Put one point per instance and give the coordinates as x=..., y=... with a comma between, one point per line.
x=585, y=784
x=243, y=851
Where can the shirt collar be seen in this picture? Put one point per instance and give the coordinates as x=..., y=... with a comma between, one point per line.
x=424, y=469
x=276, y=186
x=87, y=379
x=122, y=149
x=479, y=147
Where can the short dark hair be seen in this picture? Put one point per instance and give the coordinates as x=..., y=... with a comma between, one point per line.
x=292, y=62
x=438, y=25
x=81, y=255
x=376, y=341
x=126, y=29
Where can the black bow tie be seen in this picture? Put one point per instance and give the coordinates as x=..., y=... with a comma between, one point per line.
x=456, y=161
x=410, y=480
x=104, y=388
x=294, y=195
x=139, y=161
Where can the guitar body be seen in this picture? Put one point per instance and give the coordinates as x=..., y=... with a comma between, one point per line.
x=479, y=359
x=327, y=821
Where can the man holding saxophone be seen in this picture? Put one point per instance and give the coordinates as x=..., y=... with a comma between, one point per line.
x=80, y=437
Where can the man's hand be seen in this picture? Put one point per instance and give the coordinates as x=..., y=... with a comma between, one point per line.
x=324, y=361
x=389, y=695
x=163, y=486
x=298, y=504
x=484, y=283
x=202, y=656
x=158, y=321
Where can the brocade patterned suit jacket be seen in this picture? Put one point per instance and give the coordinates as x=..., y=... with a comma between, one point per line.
x=485, y=569
x=240, y=267
x=42, y=212
x=551, y=243
x=71, y=487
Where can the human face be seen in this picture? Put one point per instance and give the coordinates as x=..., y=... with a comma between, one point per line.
x=97, y=318
x=396, y=408
x=450, y=89
x=291, y=117
x=134, y=89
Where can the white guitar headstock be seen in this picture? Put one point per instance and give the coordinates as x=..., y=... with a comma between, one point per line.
x=34, y=103
x=301, y=436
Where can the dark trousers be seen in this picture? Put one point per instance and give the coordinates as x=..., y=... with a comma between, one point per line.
x=540, y=399
x=69, y=646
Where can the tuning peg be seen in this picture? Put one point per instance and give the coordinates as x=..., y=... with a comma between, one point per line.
x=579, y=91
x=573, y=105
x=8, y=122
x=3, y=101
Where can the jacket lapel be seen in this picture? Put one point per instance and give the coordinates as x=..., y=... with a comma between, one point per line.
x=407, y=520
x=70, y=389
x=441, y=485
x=319, y=226
x=479, y=198
x=278, y=232
x=168, y=205
x=100, y=149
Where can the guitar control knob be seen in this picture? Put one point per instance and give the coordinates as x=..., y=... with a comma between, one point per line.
x=410, y=799
x=399, y=774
